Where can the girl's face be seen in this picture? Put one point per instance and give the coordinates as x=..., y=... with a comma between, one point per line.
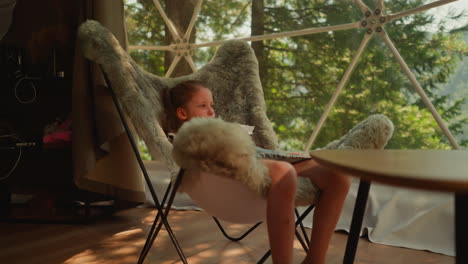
x=200, y=105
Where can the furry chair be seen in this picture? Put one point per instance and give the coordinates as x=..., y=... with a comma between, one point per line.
x=201, y=145
x=139, y=91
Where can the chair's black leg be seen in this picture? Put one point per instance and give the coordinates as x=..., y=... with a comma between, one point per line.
x=156, y=219
x=153, y=236
x=265, y=257
x=303, y=243
x=299, y=220
x=150, y=239
x=301, y=224
x=356, y=222
x=234, y=238
x=304, y=214
x=145, y=174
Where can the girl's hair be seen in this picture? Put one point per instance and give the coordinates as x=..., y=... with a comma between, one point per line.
x=175, y=97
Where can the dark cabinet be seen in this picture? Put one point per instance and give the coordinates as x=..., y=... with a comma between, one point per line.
x=36, y=62
x=35, y=142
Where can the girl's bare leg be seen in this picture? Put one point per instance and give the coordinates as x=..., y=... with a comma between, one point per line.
x=334, y=188
x=280, y=210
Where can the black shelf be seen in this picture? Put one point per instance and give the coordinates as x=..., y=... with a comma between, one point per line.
x=40, y=169
x=37, y=168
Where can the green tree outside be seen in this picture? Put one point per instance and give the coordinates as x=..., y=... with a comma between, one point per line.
x=301, y=73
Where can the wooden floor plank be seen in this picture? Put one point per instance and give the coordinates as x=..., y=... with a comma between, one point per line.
x=119, y=240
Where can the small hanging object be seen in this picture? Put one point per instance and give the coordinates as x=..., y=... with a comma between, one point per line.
x=60, y=74
x=23, y=85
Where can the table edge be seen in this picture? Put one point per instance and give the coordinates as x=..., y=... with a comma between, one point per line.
x=371, y=176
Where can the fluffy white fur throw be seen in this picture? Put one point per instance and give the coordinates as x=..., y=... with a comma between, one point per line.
x=223, y=148
x=213, y=145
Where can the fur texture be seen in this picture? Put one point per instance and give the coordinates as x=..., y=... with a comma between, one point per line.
x=371, y=133
x=223, y=148
x=232, y=75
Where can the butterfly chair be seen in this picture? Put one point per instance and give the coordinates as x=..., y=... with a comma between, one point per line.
x=233, y=78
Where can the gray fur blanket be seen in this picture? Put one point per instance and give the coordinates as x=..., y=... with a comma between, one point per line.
x=224, y=148
x=232, y=75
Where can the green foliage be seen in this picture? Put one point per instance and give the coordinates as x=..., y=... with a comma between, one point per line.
x=302, y=73
x=145, y=28
x=144, y=150
x=144, y=25
x=220, y=20
x=457, y=88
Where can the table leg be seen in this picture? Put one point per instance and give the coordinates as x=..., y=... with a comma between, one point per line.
x=461, y=228
x=356, y=222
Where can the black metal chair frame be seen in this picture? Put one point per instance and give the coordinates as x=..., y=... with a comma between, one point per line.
x=169, y=195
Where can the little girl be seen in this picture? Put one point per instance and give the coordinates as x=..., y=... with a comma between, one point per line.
x=193, y=99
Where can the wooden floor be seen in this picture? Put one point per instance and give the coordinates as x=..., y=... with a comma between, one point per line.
x=120, y=238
